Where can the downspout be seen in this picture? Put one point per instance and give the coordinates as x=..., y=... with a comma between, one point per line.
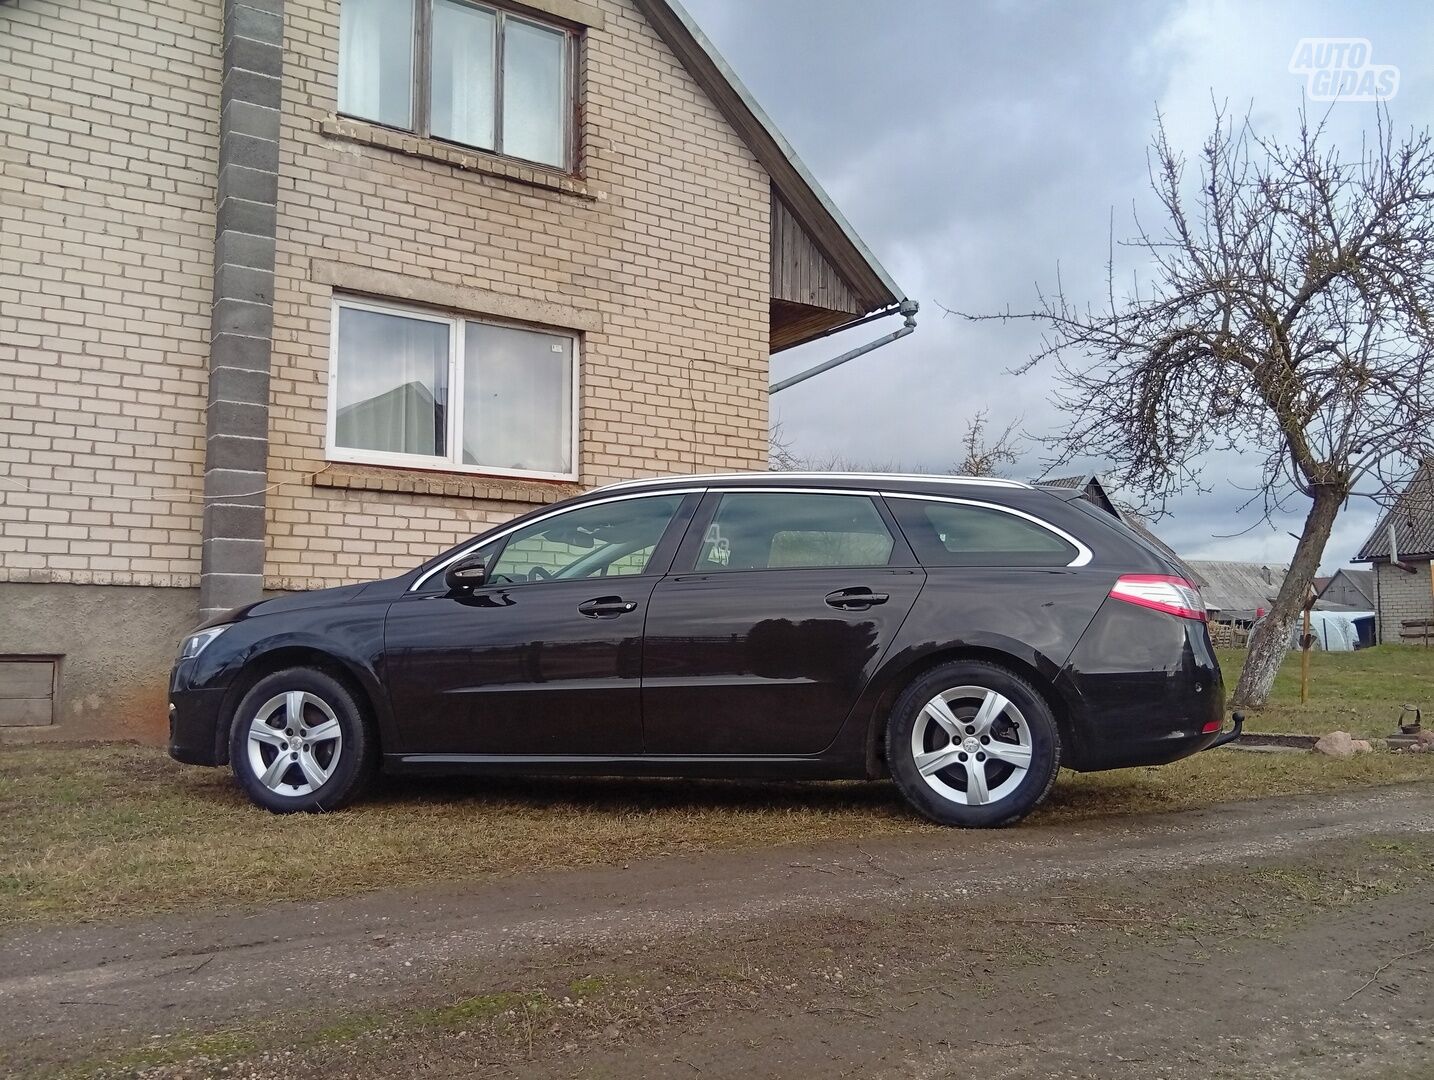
x=907, y=308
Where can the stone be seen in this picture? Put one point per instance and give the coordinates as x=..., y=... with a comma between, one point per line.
x=1336, y=744
x=1361, y=746
x=1425, y=739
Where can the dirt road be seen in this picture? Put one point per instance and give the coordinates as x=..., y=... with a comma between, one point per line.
x=1291, y=937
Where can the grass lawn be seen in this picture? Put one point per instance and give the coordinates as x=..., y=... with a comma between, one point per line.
x=1359, y=692
x=119, y=830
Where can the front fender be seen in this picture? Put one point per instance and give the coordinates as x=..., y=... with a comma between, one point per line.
x=349, y=638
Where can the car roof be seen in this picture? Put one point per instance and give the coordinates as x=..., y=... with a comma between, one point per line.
x=923, y=482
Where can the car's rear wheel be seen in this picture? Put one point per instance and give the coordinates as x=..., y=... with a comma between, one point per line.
x=300, y=742
x=970, y=743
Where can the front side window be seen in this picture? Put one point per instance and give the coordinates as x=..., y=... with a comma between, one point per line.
x=410, y=387
x=768, y=530
x=613, y=539
x=961, y=534
x=484, y=77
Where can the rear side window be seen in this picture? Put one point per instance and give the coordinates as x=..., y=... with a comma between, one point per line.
x=961, y=534
x=768, y=530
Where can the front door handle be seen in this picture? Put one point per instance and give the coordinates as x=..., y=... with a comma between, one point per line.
x=856, y=599
x=606, y=607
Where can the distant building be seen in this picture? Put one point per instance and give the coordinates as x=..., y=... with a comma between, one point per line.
x=1403, y=590
x=1238, y=591
x=1346, y=590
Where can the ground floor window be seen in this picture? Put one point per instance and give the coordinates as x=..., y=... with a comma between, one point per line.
x=414, y=387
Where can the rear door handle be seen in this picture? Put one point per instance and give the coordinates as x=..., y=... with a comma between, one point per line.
x=856, y=599
x=606, y=607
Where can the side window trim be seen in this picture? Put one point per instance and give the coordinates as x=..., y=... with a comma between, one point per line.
x=1083, y=553
x=503, y=532
x=684, y=561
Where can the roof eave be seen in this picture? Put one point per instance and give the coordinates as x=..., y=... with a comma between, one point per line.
x=826, y=225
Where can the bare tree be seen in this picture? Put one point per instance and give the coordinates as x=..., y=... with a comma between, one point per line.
x=781, y=457
x=1287, y=314
x=987, y=458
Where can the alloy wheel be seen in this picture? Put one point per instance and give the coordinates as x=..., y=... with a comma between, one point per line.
x=972, y=745
x=295, y=741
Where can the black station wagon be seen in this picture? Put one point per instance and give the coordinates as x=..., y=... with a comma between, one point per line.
x=965, y=637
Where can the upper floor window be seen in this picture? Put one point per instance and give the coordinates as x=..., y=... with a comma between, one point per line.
x=466, y=73
x=433, y=391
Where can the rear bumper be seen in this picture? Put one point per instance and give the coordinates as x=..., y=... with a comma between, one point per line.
x=1144, y=688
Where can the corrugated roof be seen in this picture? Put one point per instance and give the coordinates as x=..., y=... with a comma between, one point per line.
x=1413, y=519
x=1238, y=586
x=1066, y=481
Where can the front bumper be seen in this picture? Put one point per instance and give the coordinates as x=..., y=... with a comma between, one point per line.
x=195, y=737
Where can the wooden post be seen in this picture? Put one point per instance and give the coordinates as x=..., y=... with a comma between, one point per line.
x=1306, y=640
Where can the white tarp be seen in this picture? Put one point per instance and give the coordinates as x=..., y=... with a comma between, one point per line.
x=1333, y=631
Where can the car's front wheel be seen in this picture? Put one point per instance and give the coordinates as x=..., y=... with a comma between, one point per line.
x=970, y=743
x=299, y=742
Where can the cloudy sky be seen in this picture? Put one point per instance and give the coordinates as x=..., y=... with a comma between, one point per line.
x=975, y=145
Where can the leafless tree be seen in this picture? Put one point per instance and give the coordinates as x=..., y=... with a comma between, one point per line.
x=980, y=457
x=1287, y=313
x=983, y=457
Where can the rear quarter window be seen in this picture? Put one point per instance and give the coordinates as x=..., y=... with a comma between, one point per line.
x=964, y=534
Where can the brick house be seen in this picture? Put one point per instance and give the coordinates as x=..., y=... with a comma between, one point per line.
x=295, y=293
x=1403, y=590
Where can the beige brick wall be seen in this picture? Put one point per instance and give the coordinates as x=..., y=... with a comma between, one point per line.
x=672, y=257
x=1401, y=595
x=108, y=141
x=108, y=138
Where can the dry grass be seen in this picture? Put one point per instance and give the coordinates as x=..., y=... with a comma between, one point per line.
x=1359, y=692
x=107, y=831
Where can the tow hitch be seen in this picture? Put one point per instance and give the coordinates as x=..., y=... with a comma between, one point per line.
x=1231, y=735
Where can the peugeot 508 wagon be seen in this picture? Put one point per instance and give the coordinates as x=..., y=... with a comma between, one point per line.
x=965, y=636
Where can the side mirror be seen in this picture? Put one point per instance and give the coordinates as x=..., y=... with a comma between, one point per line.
x=467, y=573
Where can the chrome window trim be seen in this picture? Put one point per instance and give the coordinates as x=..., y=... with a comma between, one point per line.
x=566, y=508
x=1083, y=553
x=875, y=478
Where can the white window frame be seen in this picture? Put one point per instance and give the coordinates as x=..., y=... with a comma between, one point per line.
x=453, y=462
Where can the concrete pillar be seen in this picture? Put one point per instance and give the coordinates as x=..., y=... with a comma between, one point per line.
x=241, y=332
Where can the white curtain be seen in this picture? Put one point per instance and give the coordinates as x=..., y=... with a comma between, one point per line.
x=517, y=399
x=392, y=383
x=376, y=60
x=462, y=74
x=533, y=99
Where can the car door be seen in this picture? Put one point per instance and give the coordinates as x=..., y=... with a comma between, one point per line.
x=544, y=658
x=777, y=612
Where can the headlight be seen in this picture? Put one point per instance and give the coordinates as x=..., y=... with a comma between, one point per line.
x=195, y=644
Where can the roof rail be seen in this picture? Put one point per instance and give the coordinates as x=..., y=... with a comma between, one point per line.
x=969, y=481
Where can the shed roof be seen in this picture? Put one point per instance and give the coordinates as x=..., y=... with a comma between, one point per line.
x=1412, y=516
x=1238, y=586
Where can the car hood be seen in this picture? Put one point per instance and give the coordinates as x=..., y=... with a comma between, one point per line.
x=298, y=601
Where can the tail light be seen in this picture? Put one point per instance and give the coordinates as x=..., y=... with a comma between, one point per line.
x=1162, y=592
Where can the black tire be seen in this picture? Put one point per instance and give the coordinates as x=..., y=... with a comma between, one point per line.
x=293, y=791
x=909, y=726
